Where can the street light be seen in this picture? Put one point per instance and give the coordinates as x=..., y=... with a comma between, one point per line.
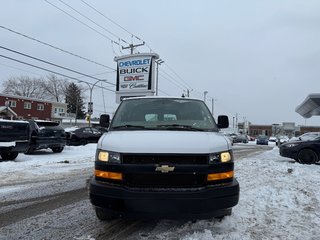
x=204, y=96
x=212, y=105
x=90, y=105
x=158, y=62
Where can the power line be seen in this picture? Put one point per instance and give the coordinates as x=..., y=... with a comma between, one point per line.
x=57, y=48
x=93, y=21
x=164, y=92
x=90, y=6
x=117, y=24
x=130, y=45
x=20, y=69
x=171, y=81
x=44, y=69
x=103, y=15
x=53, y=64
x=109, y=19
x=98, y=74
x=178, y=75
x=105, y=36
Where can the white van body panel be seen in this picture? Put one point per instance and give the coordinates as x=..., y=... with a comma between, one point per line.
x=163, y=142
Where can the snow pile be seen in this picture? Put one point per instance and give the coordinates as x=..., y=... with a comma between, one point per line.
x=46, y=165
x=279, y=199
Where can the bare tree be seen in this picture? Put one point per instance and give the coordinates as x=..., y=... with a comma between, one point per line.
x=24, y=86
x=55, y=87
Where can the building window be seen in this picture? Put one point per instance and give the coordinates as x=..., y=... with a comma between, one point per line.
x=40, y=107
x=12, y=103
x=20, y=118
x=27, y=105
x=61, y=110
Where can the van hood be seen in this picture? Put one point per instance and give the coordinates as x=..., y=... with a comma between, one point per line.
x=163, y=142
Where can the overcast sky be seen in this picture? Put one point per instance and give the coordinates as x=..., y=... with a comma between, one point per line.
x=257, y=59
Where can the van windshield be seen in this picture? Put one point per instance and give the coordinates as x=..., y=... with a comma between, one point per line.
x=163, y=114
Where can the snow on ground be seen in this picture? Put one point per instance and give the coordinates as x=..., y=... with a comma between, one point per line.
x=45, y=163
x=29, y=172
x=279, y=199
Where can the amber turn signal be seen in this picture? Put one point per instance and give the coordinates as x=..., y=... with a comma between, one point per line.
x=220, y=176
x=108, y=175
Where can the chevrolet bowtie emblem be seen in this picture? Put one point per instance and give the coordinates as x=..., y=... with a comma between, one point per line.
x=164, y=169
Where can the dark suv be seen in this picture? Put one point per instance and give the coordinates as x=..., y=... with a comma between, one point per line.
x=46, y=134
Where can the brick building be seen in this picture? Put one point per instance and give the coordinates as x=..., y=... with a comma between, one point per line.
x=255, y=130
x=30, y=108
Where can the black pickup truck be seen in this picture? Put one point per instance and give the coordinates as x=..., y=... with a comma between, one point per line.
x=14, y=138
x=28, y=136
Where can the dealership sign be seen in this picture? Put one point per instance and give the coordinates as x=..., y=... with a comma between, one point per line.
x=135, y=75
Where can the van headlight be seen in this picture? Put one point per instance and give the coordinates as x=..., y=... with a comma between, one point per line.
x=220, y=157
x=108, y=156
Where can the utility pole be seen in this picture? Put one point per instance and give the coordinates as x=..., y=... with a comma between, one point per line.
x=237, y=121
x=77, y=107
x=132, y=46
x=158, y=62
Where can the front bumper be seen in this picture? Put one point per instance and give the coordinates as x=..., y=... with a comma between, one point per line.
x=19, y=146
x=288, y=152
x=43, y=143
x=200, y=203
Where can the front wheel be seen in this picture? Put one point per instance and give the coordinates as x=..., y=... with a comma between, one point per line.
x=57, y=149
x=103, y=215
x=9, y=156
x=307, y=156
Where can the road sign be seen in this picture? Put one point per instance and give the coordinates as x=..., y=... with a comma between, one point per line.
x=90, y=107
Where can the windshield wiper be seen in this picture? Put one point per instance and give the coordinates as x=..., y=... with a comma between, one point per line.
x=129, y=126
x=180, y=127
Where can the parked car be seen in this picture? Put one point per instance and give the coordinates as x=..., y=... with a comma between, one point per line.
x=240, y=139
x=14, y=138
x=251, y=138
x=282, y=140
x=306, y=152
x=262, y=140
x=272, y=139
x=306, y=136
x=46, y=134
x=82, y=136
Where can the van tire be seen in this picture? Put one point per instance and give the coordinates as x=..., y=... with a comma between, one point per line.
x=103, y=215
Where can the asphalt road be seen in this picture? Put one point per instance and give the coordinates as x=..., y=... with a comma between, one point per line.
x=48, y=211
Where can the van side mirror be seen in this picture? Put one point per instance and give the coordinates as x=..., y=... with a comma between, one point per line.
x=105, y=120
x=223, y=121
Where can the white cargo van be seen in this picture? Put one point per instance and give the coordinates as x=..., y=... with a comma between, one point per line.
x=163, y=158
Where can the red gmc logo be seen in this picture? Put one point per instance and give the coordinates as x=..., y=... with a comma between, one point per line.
x=133, y=78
